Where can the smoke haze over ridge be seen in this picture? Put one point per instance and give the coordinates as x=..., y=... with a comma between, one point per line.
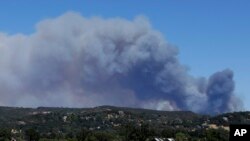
x=75, y=61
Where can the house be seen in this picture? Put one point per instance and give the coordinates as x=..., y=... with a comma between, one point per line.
x=162, y=139
x=14, y=131
x=64, y=118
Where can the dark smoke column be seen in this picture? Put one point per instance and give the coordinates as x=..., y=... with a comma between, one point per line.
x=219, y=91
x=73, y=61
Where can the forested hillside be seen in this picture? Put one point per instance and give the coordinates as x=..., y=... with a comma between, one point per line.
x=113, y=123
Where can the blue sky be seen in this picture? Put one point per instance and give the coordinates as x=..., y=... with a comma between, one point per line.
x=211, y=35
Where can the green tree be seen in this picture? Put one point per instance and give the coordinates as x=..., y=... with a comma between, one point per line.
x=91, y=138
x=145, y=132
x=217, y=134
x=131, y=133
x=82, y=135
x=103, y=136
x=5, y=134
x=137, y=133
x=32, y=135
x=181, y=137
x=168, y=133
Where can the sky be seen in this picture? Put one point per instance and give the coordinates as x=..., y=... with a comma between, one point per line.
x=210, y=35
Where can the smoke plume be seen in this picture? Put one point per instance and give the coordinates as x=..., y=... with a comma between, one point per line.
x=82, y=62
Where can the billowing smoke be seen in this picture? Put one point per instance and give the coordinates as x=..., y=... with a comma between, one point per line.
x=78, y=62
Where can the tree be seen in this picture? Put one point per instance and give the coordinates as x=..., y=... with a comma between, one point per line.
x=32, y=135
x=5, y=134
x=168, y=133
x=91, y=138
x=145, y=132
x=69, y=135
x=82, y=135
x=131, y=133
x=103, y=136
x=217, y=134
x=181, y=137
x=137, y=133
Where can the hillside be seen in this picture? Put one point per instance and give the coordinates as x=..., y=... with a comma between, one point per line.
x=68, y=122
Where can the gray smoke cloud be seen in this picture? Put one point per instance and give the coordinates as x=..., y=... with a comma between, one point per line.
x=83, y=62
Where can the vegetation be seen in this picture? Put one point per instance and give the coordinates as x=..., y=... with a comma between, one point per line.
x=108, y=123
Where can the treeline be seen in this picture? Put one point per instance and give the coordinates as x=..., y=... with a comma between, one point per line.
x=129, y=132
